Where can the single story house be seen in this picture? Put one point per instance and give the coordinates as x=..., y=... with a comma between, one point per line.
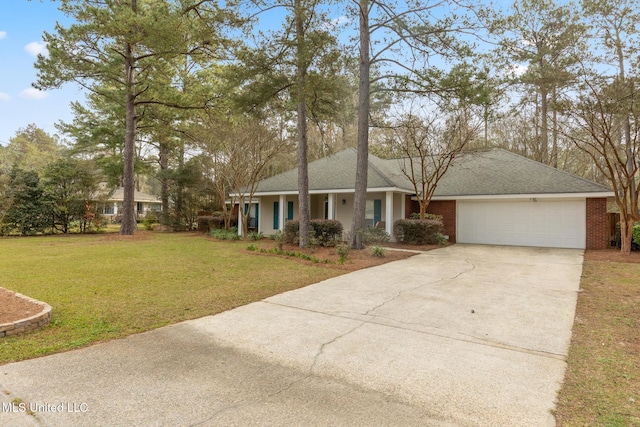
x=487, y=196
x=112, y=205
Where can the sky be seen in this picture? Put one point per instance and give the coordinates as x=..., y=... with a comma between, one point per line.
x=22, y=23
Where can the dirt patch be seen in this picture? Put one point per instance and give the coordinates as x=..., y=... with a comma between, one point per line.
x=15, y=308
x=611, y=255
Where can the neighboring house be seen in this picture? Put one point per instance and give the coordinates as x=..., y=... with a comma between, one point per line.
x=112, y=206
x=487, y=197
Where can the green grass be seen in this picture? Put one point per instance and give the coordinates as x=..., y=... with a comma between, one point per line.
x=103, y=287
x=602, y=383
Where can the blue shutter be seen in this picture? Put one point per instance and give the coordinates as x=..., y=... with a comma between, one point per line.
x=276, y=215
x=377, y=211
x=289, y=210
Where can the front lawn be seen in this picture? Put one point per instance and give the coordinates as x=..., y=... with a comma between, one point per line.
x=108, y=286
x=602, y=383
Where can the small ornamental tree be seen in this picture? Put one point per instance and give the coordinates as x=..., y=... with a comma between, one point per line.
x=29, y=211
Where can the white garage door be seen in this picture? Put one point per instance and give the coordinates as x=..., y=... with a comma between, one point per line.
x=543, y=223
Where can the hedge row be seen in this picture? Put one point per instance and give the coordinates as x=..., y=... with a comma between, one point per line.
x=419, y=231
x=325, y=231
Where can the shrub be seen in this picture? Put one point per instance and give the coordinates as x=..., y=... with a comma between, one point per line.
x=374, y=235
x=343, y=250
x=324, y=231
x=418, y=231
x=440, y=240
x=278, y=237
x=378, y=251
x=636, y=234
x=149, y=221
x=231, y=234
x=254, y=235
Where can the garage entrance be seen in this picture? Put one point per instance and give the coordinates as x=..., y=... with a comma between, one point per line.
x=528, y=222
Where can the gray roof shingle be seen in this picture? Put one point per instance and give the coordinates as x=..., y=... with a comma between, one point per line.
x=481, y=172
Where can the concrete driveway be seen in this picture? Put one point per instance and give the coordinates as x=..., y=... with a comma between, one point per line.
x=461, y=336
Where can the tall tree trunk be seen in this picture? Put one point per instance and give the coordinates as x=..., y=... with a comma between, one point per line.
x=303, y=174
x=544, y=125
x=360, y=196
x=554, y=132
x=179, y=189
x=626, y=235
x=629, y=152
x=128, y=225
x=164, y=183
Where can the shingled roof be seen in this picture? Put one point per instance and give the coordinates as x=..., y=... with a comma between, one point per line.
x=481, y=172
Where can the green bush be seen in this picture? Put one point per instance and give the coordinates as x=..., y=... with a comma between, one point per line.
x=440, y=240
x=343, y=251
x=324, y=231
x=254, y=235
x=378, y=251
x=374, y=235
x=149, y=221
x=231, y=234
x=419, y=231
x=636, y=234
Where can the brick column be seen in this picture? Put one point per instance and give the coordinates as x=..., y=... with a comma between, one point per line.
x=446, y=208
x=597, y=236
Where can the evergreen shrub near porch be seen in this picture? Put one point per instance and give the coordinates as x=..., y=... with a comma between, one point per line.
x=420, y=231
x=325, y=231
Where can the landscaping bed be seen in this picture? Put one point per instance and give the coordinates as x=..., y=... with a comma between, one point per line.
x=16, y=308
x=329, y=256
x=21, y=314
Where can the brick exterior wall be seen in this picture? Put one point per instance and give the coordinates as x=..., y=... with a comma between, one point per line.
x=446, y=208
x=597, y=232
x=410, y=206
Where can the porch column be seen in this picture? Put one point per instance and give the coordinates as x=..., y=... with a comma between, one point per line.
x=259, y=215
x=281, y=202
x=331, y=198
x=115, y=208
x=240, y=212
x=403, y=205
x=388, y=214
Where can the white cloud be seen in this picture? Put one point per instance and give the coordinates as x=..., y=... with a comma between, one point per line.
x=336, y=22
x=3, y=34
x=4, y=96
x=36, y=48
x=519, y=69
x=33, y=93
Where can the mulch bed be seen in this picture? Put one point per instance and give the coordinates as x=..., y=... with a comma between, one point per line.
x=14, y=308
x=356, y=259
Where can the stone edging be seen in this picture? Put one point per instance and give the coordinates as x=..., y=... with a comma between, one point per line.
x=29, y=324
